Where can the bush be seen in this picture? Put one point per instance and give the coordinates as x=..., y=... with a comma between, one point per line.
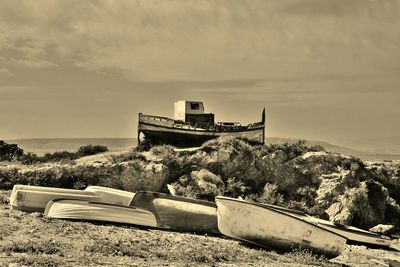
x=9, y=151
x=29, y=158
x=90, y=150
x=58, y=156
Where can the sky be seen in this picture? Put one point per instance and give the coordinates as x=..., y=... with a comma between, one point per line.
x=324, y=70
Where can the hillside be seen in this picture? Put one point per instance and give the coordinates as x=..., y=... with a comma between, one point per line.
x=326, y=184
x=308, y=178
x=385, y=149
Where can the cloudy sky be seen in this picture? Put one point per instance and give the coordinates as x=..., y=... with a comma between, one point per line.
x=325, y=70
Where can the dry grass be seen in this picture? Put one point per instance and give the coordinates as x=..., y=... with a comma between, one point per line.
x=28, y=239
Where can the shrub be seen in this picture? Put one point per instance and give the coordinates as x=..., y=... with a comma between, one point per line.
x=236, y=188
x=29, y=158
x=90, y=150
x=9, y=151
x=58, y=156
x=271, y=195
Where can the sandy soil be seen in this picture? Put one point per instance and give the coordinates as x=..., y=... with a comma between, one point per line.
x=28, y=239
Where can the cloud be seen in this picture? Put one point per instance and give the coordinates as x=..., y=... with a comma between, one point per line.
x=342, y=8
x=5, y=71
x=206, y=40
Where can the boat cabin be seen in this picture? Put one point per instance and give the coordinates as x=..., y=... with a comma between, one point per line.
x=193, y=112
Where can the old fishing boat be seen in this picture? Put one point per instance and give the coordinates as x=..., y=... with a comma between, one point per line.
x=257, y=224
x=95, y=211
x=179, y=213
x=192, y=127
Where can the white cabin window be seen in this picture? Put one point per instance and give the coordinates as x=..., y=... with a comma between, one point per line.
x=194, y=106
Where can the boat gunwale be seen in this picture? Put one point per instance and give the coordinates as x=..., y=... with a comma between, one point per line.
x=203, y=130
x=250, y=126
x=363, y=232
x=173, y=197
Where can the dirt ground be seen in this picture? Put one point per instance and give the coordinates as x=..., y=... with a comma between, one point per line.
x=29, y=239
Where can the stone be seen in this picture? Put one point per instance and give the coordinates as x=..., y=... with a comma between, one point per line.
x=383, y=229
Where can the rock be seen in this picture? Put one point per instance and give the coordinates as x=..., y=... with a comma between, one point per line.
x=201, y=184
x=139, y=175
x=383, y=229
x=340, y=213
x=171, y=189
x=352, y=203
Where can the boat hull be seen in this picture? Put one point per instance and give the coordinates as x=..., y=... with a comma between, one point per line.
x=265, y=227
x=49, y=189
x=166, y=132
x=111, y=195
x=179, y=213
x=353, y=235
x=91, y=211
x=27, y=200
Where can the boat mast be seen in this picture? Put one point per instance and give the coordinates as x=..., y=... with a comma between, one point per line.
x=263, y=122
x=138, y=130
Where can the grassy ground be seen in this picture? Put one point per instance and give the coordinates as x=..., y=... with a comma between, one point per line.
x=28, y=239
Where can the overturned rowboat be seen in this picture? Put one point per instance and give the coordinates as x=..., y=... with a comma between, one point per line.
x=94, y=211
x=257, y=224
x=26, y=200
x=35, y=198
x=179, y=213
x=111, y=195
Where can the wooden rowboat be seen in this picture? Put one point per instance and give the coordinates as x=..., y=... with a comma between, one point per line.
x=111, y=195
x=354, y=235
x=257, y=224
x=27, y=200
x=179, y=213
x=92, y=211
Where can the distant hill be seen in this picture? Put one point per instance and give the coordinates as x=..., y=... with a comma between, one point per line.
x=41, y=146
x=380, y=145
x=363, y=154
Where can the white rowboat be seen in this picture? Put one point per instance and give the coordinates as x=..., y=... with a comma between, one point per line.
x=93, y=211
x=266, y=227
x=27, y=200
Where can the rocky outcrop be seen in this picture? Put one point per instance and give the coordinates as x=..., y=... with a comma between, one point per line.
x=329, y=185
x=201, y=184
x=384, y=229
